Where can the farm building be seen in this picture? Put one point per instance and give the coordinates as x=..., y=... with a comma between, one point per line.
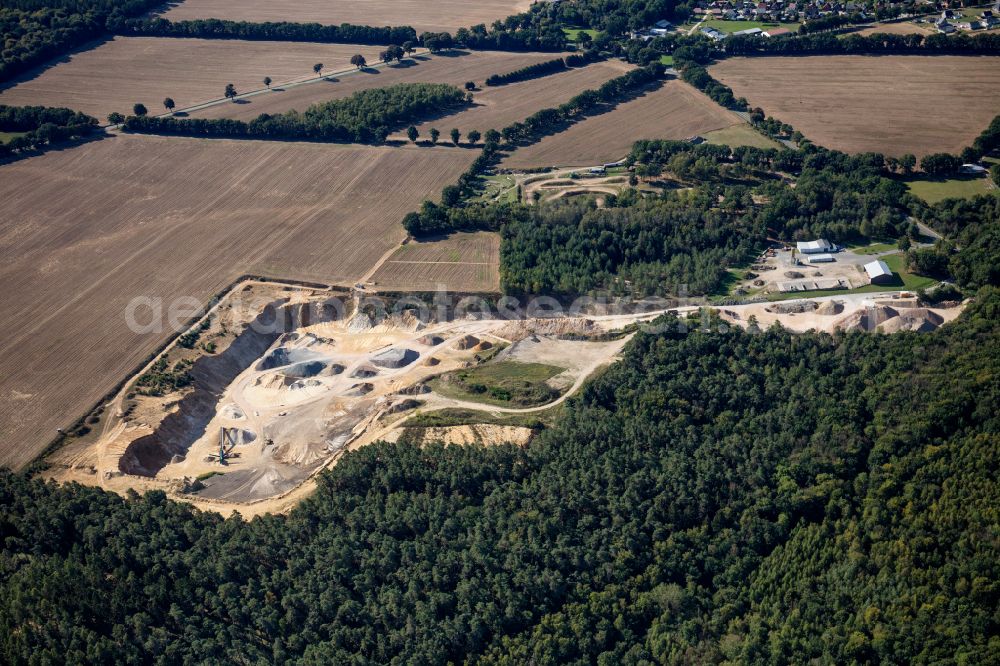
x=972, y=169
x=814, y=247
x=878, y=272
x=749, y=32
x=821, y=258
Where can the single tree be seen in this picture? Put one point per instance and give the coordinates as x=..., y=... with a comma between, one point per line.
x=455, y=136
x=168, y=104
x=434, y=135
x=473, y=137
x=317, y=68
x=470, y=85
x=908, y=162
x=492, y=136
x=231, y=91
x=267, y=81
x=412, y=133
x=115, y=118
x=139, y=110
x=409, y=47
x=358, y=60
x=384, y=56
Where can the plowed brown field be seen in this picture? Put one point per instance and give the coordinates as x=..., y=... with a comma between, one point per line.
x=434, y=16
x=126, y=70
x=497, y=107
x=455, y=68
x=889, y=104
x=673, y=111
x=86, y=230
x=471, y=260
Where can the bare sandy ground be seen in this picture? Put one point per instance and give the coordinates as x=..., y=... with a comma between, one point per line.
x=443, y=15
x=889, y=104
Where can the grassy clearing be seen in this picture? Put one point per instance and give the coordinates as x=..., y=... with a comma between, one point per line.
x=736, y=26
x=874, y=248
x=499, y=188
x=443, y=418
x=573, y=34
x=7, y=136
x=667, y=60
x=504, y=384
x=936, y=190
x=740, y=135
x=897, y=263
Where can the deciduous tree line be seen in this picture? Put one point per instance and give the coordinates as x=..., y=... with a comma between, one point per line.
x=367, y=116
x=41, y=126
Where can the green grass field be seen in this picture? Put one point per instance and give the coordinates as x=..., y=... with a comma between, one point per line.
x=736, y=26
x=573, y=34
x=936, y=190
x=740, y=135
x=504, y=384
x=7, y=136
x=874, y=248
x=667, y=60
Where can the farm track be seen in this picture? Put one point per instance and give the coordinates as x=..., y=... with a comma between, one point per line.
x=888, y=104
x=126, y=70
x=454, y=68
x=91, y=228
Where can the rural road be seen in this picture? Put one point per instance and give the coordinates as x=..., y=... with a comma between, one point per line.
x=276, y=87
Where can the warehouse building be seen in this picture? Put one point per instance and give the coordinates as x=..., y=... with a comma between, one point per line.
x=815, y=247
x=879, y=273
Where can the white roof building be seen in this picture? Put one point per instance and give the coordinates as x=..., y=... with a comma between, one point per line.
x=878, y=272
x=820, y=258
x=814, y=247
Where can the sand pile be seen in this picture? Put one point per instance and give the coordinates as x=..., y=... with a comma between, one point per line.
x=431, y=340
x=399, y=357
x=794, y=307
x=468, y=342
x=915, y=319
x=830, y=308
x=867, y=319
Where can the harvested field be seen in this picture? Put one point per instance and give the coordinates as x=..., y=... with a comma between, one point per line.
x=889, y=104
x=471, y=260
x=898, y=28
x=455, y=68
x=673, y=111
x=126, y=70
x=497, y=107
x=422, y=16
x=87, y=230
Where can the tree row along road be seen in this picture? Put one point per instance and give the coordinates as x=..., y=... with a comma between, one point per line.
x=275, y=88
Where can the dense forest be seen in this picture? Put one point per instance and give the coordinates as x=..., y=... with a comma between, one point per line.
x=716, y=495
x=367, y=116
